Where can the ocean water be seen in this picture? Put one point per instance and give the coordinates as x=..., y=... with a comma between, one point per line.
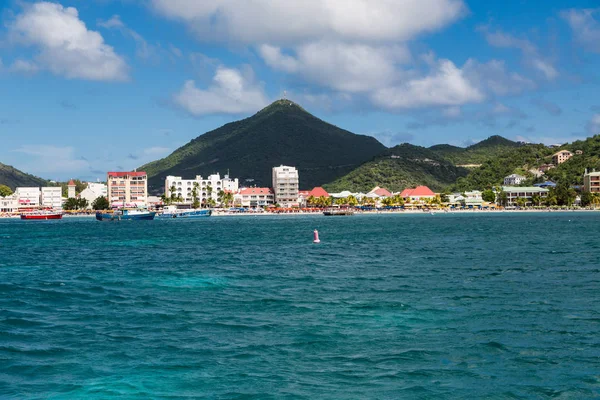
x=496, y=306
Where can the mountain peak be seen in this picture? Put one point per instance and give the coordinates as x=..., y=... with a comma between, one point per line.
x=281, y=105
x=494, y=141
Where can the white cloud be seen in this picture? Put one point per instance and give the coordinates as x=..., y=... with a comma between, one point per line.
x=230, y=93
x=48, y=160
x=446, y=85
x=66, y=47
x=341, y=66
x=531, y=55
x=24, y=66
x=586, y=28
x=143, y=49
x=299, y=21
x=492, y=77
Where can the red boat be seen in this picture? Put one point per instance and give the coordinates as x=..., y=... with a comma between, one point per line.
x=42, y=217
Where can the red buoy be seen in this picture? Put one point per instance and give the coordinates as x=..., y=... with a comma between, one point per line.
x=316, y=237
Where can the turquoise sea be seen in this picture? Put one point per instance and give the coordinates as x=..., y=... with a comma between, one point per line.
x=495, y=306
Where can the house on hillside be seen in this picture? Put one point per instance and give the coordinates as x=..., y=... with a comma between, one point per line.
x=546, y=167
x=561, y=156
x=514, y=179
x=591, y=181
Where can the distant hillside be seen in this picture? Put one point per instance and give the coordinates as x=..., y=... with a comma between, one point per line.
x=477, y=153
x=12, y=178
x=399, y=167
x=282, y=133
x=572, y=170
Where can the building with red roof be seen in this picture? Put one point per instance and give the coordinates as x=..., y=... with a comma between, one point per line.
x=254, y=197
x=318, y=192
x=128, y=189
x=418, y=193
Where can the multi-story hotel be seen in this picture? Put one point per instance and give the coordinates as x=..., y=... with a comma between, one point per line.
x=52, y=197
x=285, y=186
x=28, y=196
x=207, y=188
x=513, y=193
x=127, y=188
x=561, y=157
x=591, y=181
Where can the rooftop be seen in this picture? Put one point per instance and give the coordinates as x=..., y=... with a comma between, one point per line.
x=419, y=191
x=512, y=189
x=256, y=190
x=123, y=174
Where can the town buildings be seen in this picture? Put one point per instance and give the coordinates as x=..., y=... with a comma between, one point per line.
x=514, y=180
x=206, y=188
x=591, y=181
x=51, y=197
x=254, y=197
x=546, y=167
x=128, y=189
x=9, y=204
x=513, y=193
x=28, y=197
x=561, y=156
x=93, y=191
x=71, y=193
x=285, y=186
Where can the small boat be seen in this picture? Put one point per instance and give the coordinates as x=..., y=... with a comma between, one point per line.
x=126, y=214
x=42, y=216
x=337, y=212
x=174, y=213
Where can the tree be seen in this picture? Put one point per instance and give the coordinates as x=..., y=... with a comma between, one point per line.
x=488, y=196
x=311, y=200
x=73, y=203
x=173, y=192
x=565, y=195
x=351, y=201
x=227, y=199
x=536, y=199
x=340, y=202
x=444, y=197
x=503, y=198
x=209, y=191
x=388, y=201
x=101, y=203
x=195, y=200
x=521, y=201
x=5, y=191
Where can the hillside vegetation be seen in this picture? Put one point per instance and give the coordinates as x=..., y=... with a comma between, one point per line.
x=477, y=153
x=12, y=178
x=282, y=133
x=400, y=167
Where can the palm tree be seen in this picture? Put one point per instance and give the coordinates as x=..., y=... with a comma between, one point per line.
x=196, y=201
x=521, y=201
x=536, y=199
x=227, y=199
x=220, y=195
x=388, y=201
x=173, y=192
x=311, y=200
x=351, y=201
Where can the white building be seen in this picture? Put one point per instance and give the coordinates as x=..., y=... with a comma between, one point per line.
x=513, y=193
x=71, y=192
x=285, y=186
x=28, y=196
x=254, y=197
x=52, y=197
x=93, y=191
x=514, y=179
x=207, y=188
x=9, y=204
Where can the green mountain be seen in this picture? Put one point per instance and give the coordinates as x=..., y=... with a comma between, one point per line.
x=12, y=178
x=402, y=166
x=477, y=153
x=282, y=133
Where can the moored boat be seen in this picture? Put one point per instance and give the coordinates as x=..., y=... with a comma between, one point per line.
x=126, y=214
x=335, y=212
x=175, y=213
x=42, y=216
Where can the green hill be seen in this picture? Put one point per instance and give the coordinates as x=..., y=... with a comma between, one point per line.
x=282, y=133
x=477, y=153
x=402, y=166
x=572, y=170
x=12, y=178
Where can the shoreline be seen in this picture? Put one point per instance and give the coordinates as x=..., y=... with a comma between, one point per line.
x=381, y=212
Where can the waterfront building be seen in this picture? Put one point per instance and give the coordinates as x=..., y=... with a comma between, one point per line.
x=28, y=197
x=380, y=192
x=591, y=181
x=316, y=192
x=514, y=179
x=513, y=193
x=128, y=189
x=285, y=185
x=93, y=191
x=561, y=156
x=71, y=193
x=9, y=204
x=51, y=197
x=254, y=197
x=417, y=194
x=207, y=187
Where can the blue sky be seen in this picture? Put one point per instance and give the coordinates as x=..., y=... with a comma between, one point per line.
x=95, y=85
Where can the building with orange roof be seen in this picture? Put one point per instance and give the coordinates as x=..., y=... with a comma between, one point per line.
x=418, y=193
x=254, y=197
x=381, y=192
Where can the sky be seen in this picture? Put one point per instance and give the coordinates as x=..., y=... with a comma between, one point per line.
x=88, y=86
